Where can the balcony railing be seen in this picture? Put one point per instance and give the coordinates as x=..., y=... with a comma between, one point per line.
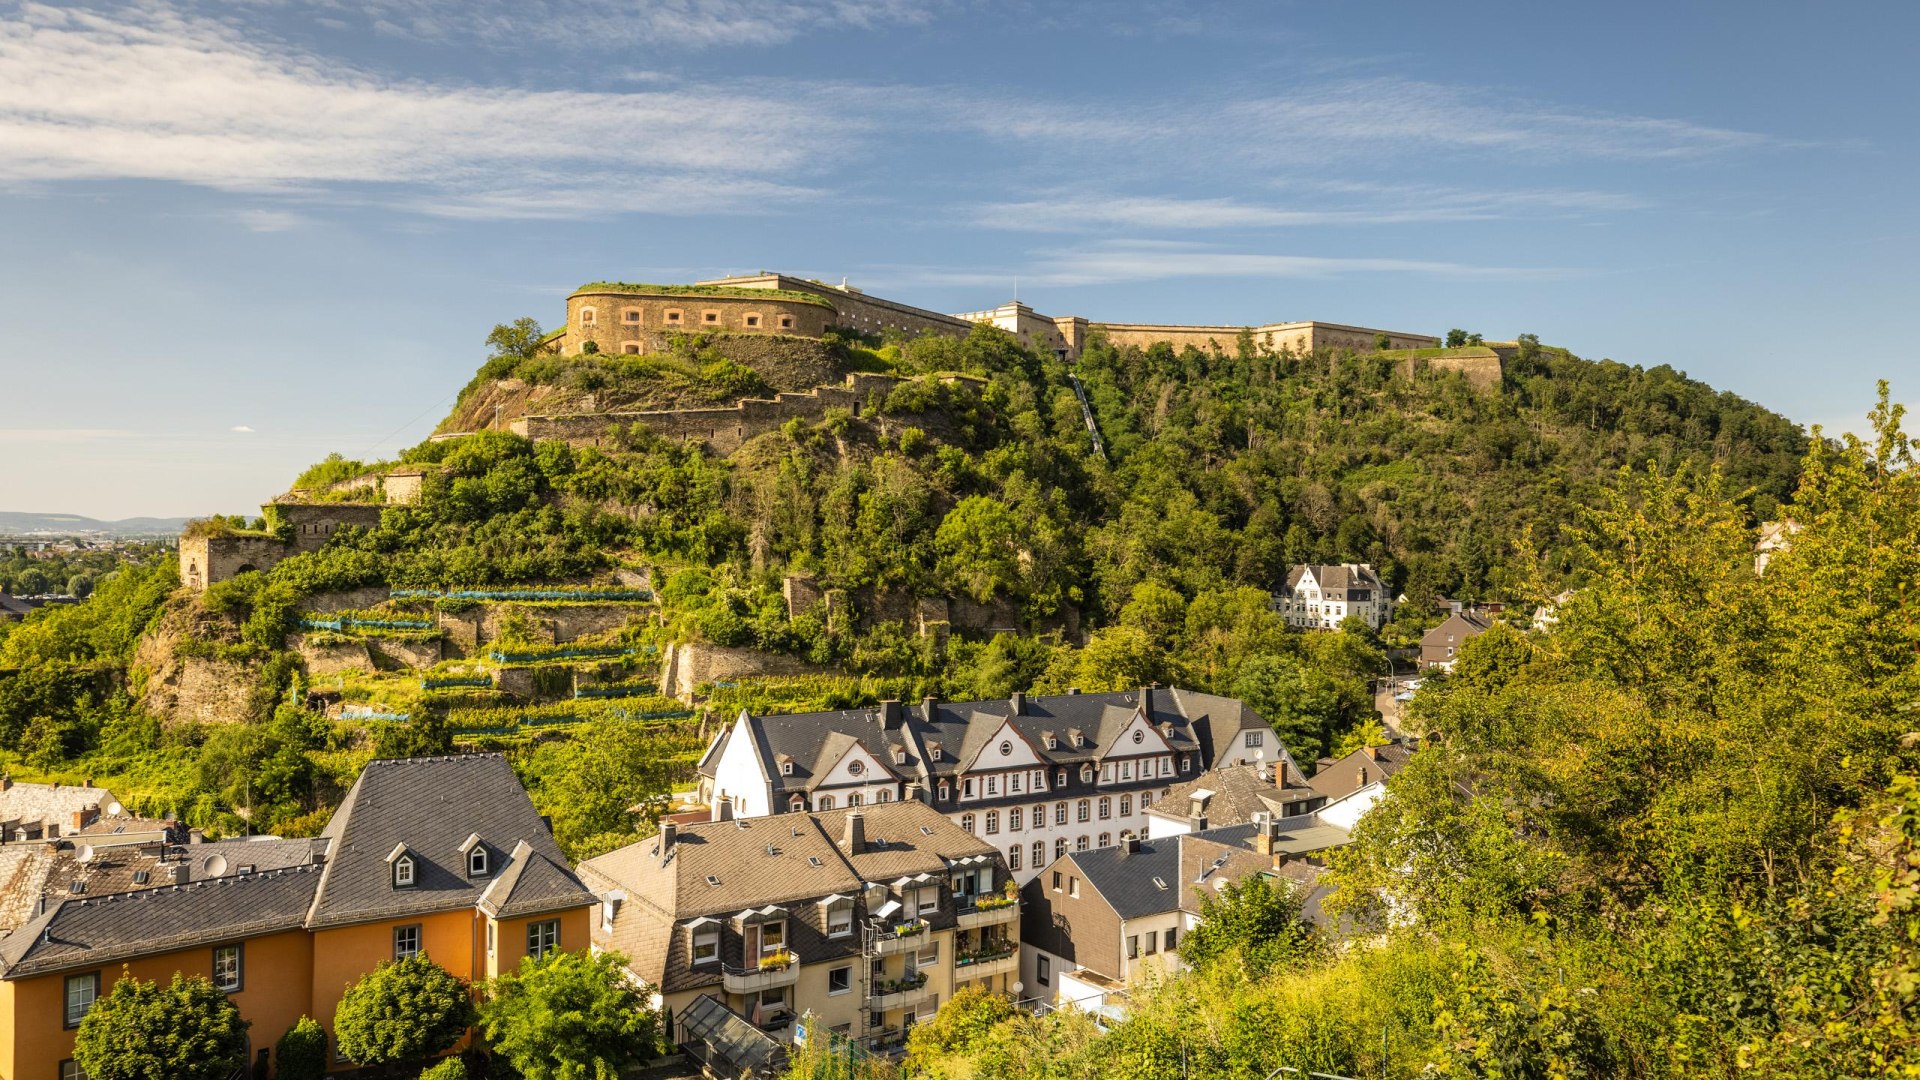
x=775, y=970
x=989, y=911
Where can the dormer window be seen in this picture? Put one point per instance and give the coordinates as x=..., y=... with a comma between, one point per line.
x=403, y=866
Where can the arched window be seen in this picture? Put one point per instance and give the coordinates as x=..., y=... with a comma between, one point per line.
x=826, y=802
x=966, y=822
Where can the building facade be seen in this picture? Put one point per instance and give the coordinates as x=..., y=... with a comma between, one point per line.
x=866, y=918
x=1036, y=777
x=445, y=856
x=1320, y=597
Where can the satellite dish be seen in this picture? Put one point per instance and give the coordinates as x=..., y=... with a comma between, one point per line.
x=114, y=809
x=84, y=854
x=216, y=866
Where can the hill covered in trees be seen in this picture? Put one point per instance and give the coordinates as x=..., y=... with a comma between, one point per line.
x=1152, y=561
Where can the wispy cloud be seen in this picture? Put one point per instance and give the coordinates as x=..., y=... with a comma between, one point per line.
x=1082, y=211
x=171, y=97
x=1124, y=261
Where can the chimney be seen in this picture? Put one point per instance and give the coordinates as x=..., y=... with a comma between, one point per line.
x=669, y=832
x=891, y=714
x=856, y=838
x=1017, y=704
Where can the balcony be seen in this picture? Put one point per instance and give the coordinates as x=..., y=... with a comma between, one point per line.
x=907, y=937
x=888, y=994
x=990, y=911
x=984, y=965
x=776, y=970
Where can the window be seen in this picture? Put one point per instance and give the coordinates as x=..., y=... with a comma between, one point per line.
x=81, y=990
x=1013, y=857
x=993, y=822
x=1106, y=807
x=1080, y=842
x=1126, y=805
x=1043, y=973
x=1056, y=881
x=966, y=822
x=706, y=945
x=1133, y=946
x=1060, y=813
x=1173, y=936
x=543, y=937
x=839, y=980
x=840, y=919
x=403, y=872
x=406, y=941
x=1255, y=738
x=1039, y=853
x=1084, y=811
x=477, y=862
x=1106, y=840
x=1014, y=818
x=226, y=968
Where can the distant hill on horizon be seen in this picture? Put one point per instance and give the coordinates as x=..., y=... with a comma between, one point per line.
x=16, y=523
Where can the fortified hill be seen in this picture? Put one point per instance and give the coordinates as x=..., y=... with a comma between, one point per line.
x=634, y=319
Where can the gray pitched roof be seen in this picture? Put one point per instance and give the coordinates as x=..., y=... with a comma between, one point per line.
x=431, y=806
x=96, y=930
x=1189, y=720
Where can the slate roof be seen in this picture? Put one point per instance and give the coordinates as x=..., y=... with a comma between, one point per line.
x=1336, y=578
x=904, y=736
x=1235, y=794
x=431, y=806
x=96, y=930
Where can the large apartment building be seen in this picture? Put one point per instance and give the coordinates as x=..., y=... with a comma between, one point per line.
x=865, y=918
x=1035, y=777
x=445, y=856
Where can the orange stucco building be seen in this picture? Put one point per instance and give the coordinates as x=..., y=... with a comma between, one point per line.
x=438, y=855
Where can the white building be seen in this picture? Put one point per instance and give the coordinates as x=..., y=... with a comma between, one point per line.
x=1038, y=777
x=1319, y=597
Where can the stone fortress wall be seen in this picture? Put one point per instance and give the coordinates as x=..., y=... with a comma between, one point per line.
x=725, y=429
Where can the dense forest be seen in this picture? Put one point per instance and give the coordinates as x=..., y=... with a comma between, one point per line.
x=1153, y=561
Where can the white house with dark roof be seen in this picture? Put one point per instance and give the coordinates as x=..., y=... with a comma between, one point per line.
x=1320, y=597
x=1036, y=777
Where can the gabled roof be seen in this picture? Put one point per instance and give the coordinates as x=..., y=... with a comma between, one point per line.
x=431, y=805
x=97, y=930
x=1187, y=719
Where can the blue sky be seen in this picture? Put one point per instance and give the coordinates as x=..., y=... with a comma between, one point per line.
x=239, y=235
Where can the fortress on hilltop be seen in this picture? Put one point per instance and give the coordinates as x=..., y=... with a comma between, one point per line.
x=622, y=318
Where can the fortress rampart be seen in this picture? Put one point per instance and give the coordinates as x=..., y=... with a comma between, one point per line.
x=725, y=429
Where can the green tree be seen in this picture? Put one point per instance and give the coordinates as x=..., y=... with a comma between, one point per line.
x=186, y=1030
x=1257, y=920
x=573, y=1016
x=402, y=1013
x=301, y=1053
